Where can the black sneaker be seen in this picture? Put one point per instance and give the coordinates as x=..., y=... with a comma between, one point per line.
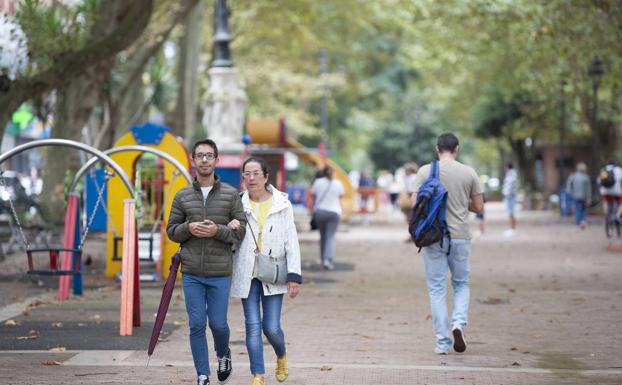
x=203, y=380
x=459, y=343
x=224, y=368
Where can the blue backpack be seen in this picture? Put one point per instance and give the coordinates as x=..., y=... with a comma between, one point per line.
x=427, y=222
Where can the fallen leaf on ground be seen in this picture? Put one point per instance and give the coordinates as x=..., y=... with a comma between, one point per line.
x=51, y=363
x=514, y=348
x=32, y=334
x=160, y=339
x=428, y=317
x=326, y=368
x=57, y=324
x=58, y=349
x=37, y=303
x=515, y=363
x=179, y=322
x=493, y=301
x=12, y=323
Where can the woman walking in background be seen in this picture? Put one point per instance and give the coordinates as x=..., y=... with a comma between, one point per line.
x=326, y=193
x=271, y=218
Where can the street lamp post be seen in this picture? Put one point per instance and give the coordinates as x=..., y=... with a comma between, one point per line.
x=324, y=103
x=562, y=128
x=596, y=73
x=563, y=201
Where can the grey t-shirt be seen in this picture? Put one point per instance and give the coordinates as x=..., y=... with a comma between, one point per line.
x=461, y=183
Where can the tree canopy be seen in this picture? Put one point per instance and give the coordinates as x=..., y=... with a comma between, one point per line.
x=399, y=71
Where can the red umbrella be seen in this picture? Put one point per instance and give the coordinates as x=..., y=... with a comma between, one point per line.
x=167, y=292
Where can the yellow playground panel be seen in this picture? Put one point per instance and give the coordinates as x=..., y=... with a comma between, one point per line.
x=158, y=138
x=272, y=133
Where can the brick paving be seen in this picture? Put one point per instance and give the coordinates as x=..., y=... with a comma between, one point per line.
x=545, y=309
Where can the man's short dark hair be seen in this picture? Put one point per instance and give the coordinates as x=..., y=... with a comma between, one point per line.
x=447, y=142
x=510, y=165
x=209, y=142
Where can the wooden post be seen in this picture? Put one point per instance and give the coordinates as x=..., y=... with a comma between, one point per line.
x=71, y=219
x=128, y=267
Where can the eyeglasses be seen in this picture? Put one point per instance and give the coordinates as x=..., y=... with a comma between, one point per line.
x=201, y=155
x=254, y=174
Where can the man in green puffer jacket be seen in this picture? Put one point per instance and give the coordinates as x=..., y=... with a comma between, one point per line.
x=198, y=221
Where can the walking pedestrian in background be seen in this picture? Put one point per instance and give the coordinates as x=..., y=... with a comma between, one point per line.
x=326, y=193
x=510, y=192
x=579, y=187
x=464, y=194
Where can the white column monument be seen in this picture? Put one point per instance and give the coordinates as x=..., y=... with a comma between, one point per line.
x=223, y=117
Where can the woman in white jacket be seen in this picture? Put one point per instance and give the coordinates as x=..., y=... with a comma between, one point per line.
x=271, y=218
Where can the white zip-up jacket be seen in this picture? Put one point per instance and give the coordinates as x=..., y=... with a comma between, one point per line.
x=279, y=238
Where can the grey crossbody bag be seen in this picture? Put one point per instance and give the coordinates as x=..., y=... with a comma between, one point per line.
x=268, y=269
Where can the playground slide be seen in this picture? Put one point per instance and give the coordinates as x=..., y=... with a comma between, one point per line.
x=348, y=200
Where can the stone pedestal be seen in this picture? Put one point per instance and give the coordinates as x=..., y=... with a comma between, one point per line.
x=223, y=117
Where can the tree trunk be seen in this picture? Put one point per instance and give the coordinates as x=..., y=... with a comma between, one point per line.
x=73, y=108
x=185, y=117
x=525, y=165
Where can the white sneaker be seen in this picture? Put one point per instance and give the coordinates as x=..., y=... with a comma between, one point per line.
x=438, y=350
x=509, y=233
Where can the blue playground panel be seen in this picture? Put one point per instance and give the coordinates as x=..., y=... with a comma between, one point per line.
x=297, y=195
x=99, y=222
x=230, y=175
x=149, y=133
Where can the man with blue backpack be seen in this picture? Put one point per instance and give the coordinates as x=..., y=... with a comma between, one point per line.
x=445, y=191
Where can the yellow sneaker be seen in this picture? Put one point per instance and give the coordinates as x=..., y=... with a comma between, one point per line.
x=258, y=381
x=282, y=371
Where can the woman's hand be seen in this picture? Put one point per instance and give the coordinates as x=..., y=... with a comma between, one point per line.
x=292, y=289
x=234, y=224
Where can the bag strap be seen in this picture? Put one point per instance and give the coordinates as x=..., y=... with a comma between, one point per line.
x=252, y=232
x=330, y=183
x=434, y=170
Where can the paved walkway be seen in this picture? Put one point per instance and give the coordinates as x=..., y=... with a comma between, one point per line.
x=545, y=309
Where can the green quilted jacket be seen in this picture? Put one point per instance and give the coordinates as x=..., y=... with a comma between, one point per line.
x=206, y=256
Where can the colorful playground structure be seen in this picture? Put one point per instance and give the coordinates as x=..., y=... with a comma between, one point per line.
x=131, y=203
x=270, y=140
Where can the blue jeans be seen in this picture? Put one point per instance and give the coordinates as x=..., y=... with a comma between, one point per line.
x=271, y=325
x=207, y=298
x=579, y=211
x=510, y=204
x=437, y=262
x=327, y=223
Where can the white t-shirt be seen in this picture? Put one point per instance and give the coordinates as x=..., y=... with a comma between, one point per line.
x=327, y=193
x=205, y=191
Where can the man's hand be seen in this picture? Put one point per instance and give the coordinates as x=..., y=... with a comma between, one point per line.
x=234, y=224
x=203, y=229
x=292, y=289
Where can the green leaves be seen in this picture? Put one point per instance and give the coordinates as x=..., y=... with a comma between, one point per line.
x=53, y=30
